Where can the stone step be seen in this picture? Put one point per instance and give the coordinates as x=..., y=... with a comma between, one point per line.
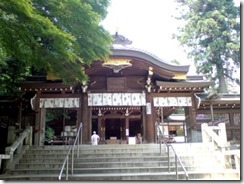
x=89, y=170
x=126, y=176
x=109, y=167
x=119, y=169
x=102, y=148
x=95, y=155
x=98, y=151
x=93, y=164
x=83, y=162
x=117, y=162
x=95, y=159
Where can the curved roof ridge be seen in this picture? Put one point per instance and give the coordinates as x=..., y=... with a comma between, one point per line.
x=149, y=53
x=140, y=53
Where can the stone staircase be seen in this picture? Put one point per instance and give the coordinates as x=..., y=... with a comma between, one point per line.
x=117, y=162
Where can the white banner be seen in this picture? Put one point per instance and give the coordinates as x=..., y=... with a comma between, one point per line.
x=172, y=101
x=59, y=102
x=116, y=99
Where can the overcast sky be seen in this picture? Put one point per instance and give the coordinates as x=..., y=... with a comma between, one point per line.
x=149, y=24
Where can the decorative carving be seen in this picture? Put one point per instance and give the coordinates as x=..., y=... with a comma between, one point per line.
x=117, y=64
x=148, y=85
x=99, y=112
x=179, y=76
x=84, y=86
x=127, y=112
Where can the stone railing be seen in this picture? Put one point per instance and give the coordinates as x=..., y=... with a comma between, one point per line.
x=230, y=159
x=2, y=157
x=12, y=152
x=215, y=134
x=233, y=160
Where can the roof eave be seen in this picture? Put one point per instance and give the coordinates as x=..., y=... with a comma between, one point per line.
x=131, y=52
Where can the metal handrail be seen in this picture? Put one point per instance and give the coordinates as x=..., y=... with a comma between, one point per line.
x=177, y=158
x=71, y=149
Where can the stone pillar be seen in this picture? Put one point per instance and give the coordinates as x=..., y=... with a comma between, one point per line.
x=205, y=136
x=11, y=135
x=222, y=133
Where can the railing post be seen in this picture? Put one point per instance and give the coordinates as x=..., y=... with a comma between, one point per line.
x=30, y=135
x=72, y=161
x=66, y=160
x=160, y=139
x=78, y=146
x=237, y=163
x=168, y=158
x=9, y=163
x=67, y=168
x=80, y=141
x=81, y=130
x=176, y=167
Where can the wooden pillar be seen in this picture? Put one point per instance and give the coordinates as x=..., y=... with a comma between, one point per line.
x=127, y=129
x=231, y=132
x=193, y=112
x=101, y=128
x=86, y=133
x=79, y=110
x=121, y=129
x=212, y=113
x=20, y=115
x=144, y=119
x=190, y=114
x=150, y=127
x=188, y=138
x=37, y=120
x=40, y=131
x=79, y=120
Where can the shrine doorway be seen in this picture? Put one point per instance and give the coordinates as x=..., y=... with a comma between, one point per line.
x=135, y=127
x=115, y=125
x=113, y=128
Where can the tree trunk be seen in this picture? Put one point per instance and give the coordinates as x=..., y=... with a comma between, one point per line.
x=222, y=84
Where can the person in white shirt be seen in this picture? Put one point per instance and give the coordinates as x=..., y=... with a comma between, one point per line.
x=95, y=138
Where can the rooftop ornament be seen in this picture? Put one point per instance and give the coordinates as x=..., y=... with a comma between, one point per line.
x=117, y=64
x=121, y=40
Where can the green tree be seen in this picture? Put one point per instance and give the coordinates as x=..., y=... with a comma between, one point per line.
x=12, y=71
x=212, y=34
x=51, y=35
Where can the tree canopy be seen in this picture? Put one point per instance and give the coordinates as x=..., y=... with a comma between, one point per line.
x=212, y=34
x=51, y=35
